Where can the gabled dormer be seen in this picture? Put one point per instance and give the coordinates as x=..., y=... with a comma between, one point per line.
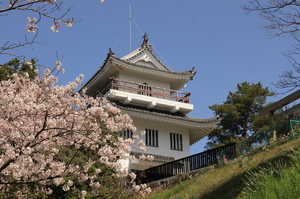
x=144, y=56
x=141, y=79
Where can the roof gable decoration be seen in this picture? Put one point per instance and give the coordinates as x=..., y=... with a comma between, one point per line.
x=144, y=56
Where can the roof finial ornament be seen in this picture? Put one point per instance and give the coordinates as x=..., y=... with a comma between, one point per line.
x=110, y=52
x=145, y=41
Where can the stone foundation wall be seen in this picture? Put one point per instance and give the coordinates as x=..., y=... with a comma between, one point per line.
x=174, y=180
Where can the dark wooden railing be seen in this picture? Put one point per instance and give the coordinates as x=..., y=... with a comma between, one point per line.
x=145, y=89
x=183, y=165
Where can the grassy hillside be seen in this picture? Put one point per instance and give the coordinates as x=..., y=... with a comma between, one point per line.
x=227, y=181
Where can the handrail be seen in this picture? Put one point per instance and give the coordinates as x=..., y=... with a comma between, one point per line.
x=183, y=165
x=148, y=90
x=263, y=139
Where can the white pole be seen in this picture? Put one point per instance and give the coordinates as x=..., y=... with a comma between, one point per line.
x=129, y=27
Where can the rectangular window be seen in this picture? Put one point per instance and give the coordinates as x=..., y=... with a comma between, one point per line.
x=176, y=141
x=145, y=90
x=126, y=134
x=151, y=137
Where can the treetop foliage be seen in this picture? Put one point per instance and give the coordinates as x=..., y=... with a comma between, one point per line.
x=15, y=66
x=239, y=114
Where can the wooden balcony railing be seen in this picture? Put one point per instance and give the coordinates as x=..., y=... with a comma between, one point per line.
x=148, y=90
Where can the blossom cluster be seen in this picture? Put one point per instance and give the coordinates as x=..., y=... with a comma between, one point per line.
x=56, y=25
x=142, y=189
x=50, y=1
x=31, y=27
x=43, y=8
x=38, y=118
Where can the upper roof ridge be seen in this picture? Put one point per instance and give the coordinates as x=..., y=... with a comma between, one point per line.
x=144, y=48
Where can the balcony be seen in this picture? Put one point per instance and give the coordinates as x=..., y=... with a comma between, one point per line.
x=148, y=96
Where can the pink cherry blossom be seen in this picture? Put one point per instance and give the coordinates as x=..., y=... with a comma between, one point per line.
x=38, y=117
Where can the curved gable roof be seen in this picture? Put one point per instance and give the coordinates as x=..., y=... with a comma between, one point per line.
x=145, y=56
x=141, y=61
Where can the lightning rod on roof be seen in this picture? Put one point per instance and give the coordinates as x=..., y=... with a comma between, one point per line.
x=130, y=27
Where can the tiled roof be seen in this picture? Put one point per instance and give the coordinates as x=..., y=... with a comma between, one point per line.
x=157, y=158
x=110, y=55
x=187, y=72
x=176, y=115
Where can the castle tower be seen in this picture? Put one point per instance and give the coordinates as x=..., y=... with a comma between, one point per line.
x=147, y=90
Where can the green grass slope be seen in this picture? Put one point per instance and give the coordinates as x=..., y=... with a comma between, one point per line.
x=230, y=181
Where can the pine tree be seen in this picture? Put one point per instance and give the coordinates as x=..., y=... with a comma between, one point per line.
x=239, y=114
x=15, y=66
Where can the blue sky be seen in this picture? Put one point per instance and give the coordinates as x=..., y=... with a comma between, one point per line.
x=225, y=45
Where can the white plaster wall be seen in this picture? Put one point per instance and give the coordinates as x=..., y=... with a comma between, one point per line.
x=164, y=130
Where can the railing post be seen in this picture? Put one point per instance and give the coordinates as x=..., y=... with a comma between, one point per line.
x=292, y=129
x=223, y=157
x=242, y=150
x=111, y=83
x=125, y=86
x=266, y=140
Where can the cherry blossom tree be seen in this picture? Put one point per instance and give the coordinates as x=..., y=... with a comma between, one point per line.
x=43, y=129
x=38, y=9
x=53, y=139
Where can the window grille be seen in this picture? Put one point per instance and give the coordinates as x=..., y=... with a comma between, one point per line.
x=127, y=134
x=176, y=141
x=151, y=137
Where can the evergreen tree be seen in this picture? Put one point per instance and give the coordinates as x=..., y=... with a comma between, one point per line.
x=15, y=66
x=239, y=114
